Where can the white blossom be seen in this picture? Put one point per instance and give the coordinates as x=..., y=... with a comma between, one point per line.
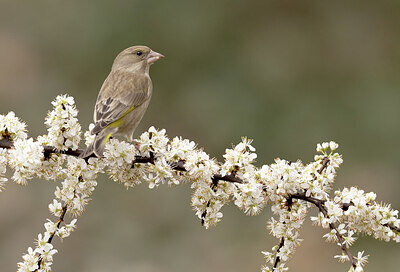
x=333, y=146
x=239, y=158
x=89, y=137
x=64, y=131
x=79, y=183
x=3, y=168
x=364, y=215
x=250, y=197
x=25, y=158
x=179, y=149
x=334, y=211
x=55, y=208
x=118, y=156
x=30, y=262
x=66, y=230
x=361, y=260
x=342, y=258
x=200, y=167
x=159, y=173
x=208, y=199
x=52, y=165
x=153, y=141
x=12, y=128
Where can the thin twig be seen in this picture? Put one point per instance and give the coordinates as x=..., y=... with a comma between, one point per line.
x=392, y=227
x=289, y=203
x=321, y=206
x=278, y=259
x=59, y=221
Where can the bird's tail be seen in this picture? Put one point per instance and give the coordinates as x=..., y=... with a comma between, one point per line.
x=97, y=146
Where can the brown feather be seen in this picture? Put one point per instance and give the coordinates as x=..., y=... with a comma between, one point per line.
x=120, y=92
x=123, y=98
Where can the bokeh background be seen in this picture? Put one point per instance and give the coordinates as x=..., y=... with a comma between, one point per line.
x=288, y=74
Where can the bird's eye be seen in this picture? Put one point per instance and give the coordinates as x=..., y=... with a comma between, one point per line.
x=139, y=53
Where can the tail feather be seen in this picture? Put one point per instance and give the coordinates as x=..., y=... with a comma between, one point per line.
x=87, y=152
x=97, y=146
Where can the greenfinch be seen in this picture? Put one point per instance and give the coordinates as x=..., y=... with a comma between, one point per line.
x=123, y=97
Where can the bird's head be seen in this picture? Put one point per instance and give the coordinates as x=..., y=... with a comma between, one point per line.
x=136, y=58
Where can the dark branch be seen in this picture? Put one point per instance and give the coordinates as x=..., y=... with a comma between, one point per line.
x=59, y=221
x=392, y=227
x=320, y=204
x=6, y=143
x=277, y=259
x=178, y=166
x=48, y=150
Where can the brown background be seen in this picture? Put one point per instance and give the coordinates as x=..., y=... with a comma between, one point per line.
x=288, y=74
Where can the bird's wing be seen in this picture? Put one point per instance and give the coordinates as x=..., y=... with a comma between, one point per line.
x=120, y=94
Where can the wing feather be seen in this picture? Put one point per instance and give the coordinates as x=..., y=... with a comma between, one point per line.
x=120, y=92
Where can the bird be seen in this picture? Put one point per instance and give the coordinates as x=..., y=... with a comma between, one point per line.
x=123, y=97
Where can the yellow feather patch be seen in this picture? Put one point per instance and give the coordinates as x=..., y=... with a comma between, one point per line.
x=118, y=122
x=108, y=137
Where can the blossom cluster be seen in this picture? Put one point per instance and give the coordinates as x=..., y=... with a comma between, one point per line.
x=119, y=157
x=42, y=254
x=210, y=195
x=64, y=130
x=72, y=198
x=287, y=229
x=290, y=188
x=12, y=128
x=78, y=185
x=355, y=207
x=284, y=179
x=354, y=211
x=25, y=158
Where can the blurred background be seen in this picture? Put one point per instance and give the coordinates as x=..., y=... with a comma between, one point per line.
x=288, y=74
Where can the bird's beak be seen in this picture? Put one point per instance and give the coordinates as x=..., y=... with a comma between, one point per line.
x=153, y=57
